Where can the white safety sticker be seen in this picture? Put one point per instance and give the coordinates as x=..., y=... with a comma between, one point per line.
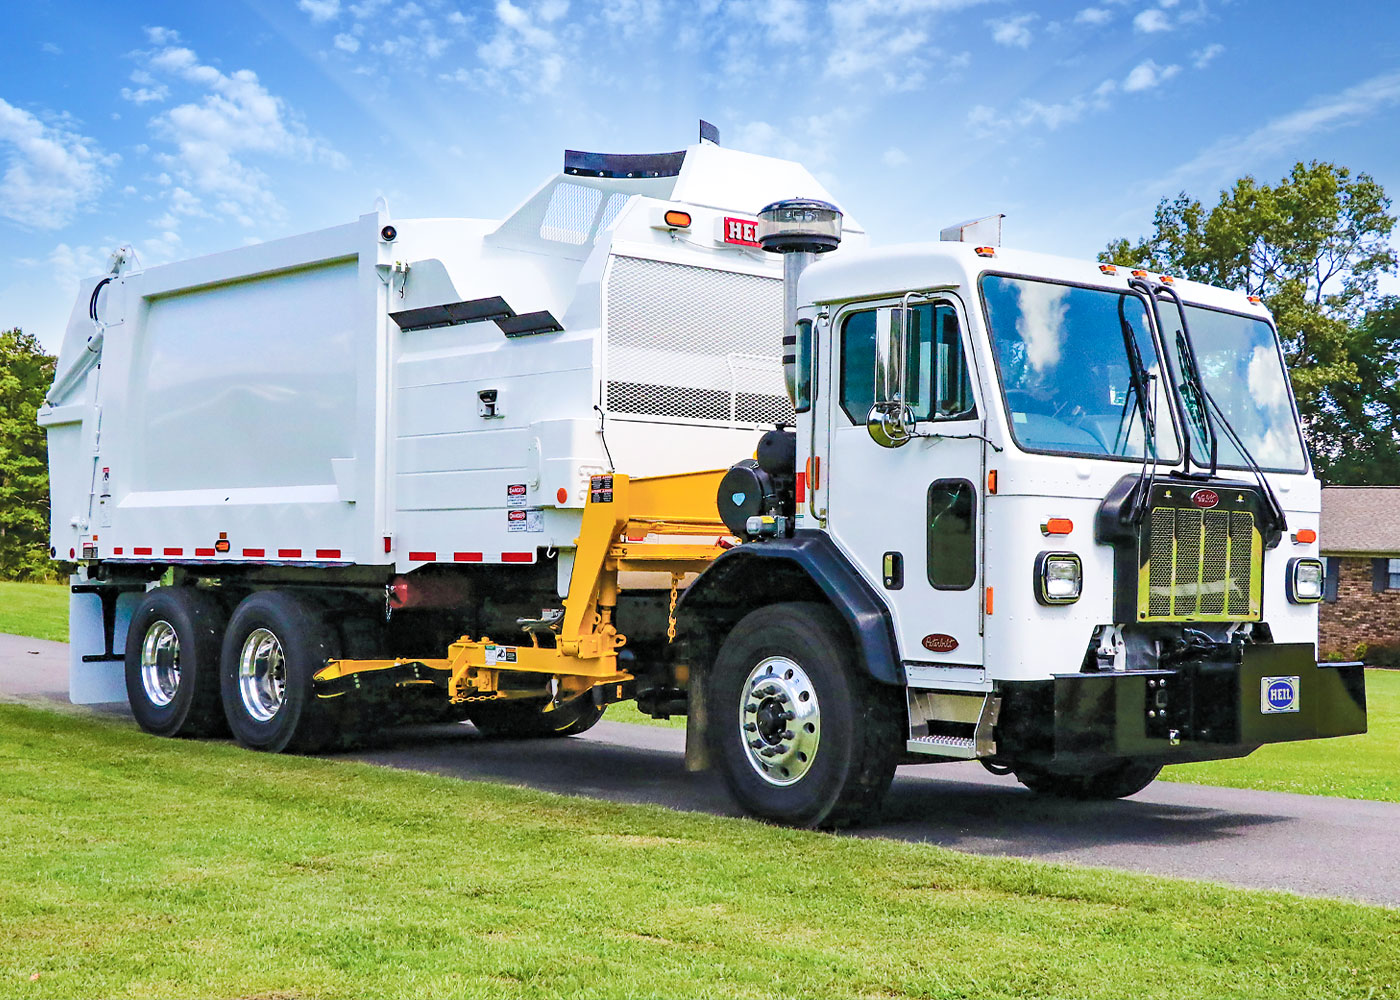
x=1279, y=694
x=515, y=495
x=525, y=520
x=499, y=654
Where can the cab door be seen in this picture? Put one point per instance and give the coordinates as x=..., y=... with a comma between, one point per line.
x=910, y=517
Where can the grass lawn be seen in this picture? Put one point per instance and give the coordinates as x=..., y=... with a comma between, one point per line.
x=133, y=866
x=1353, y=767
x=35, y=609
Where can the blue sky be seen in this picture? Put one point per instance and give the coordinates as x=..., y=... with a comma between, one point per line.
x=184, y=128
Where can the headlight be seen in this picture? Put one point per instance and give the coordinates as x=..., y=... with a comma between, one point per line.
x=1305, y=580
x=1059, y=577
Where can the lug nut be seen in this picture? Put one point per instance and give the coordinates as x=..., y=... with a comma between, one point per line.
x=751, y=707
x=782, y=697
x=788, y=734
x=756, y=744
x=749, y=727
x=788, y=716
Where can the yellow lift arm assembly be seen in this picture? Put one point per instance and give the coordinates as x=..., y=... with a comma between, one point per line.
x=621, y=513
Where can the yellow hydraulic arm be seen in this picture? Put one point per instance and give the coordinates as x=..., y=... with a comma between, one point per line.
x=621, y=513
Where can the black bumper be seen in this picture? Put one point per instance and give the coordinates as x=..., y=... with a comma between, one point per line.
x=1195, y=711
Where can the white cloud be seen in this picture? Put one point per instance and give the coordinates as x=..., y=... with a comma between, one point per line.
x=895, y=157
x=1093, y=15
x=235, y=118
x=1204, y=57
x=347, y=43
x=1233, y=155
x=51, y=172
x=1013, y=32
x=1152, y=20
x=49, y=48
x=320, y=10
x=1147, y=74
x=524, y=51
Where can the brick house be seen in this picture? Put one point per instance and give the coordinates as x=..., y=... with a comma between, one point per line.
x=1360, y=543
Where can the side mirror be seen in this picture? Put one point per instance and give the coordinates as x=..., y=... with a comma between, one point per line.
x=890, y=421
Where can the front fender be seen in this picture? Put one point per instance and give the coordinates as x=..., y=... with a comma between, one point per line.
x=807, y=566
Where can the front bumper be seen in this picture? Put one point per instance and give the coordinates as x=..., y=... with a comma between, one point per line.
x=1200, y=710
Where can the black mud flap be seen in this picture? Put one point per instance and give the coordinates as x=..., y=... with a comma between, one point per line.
x=1207, y=710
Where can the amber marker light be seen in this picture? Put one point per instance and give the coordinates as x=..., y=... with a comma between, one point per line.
x=1057, y=526
x=1139, y=274
x=992, y=481
x=1305, y=536
x=1167, y=279
x=1256, y=300
x=985, y=251
x=1109, y=268
x=678, y=220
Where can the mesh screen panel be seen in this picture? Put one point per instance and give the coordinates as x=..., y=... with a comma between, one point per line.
x=695, y=343
x=1200, y=564
x=1241, y=545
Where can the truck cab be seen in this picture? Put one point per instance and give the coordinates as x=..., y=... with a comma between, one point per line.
x=1079, y=496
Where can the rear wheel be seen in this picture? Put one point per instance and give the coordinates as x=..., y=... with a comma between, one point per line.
x=172, y=663
x=1116, y=782
x=801, y=734
x=527, y=719
x=274, y=645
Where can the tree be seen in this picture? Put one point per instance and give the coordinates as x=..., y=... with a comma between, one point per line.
x=1313, y=247
x=25, y=375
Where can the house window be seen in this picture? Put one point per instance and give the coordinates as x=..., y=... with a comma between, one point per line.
x=1393, y=574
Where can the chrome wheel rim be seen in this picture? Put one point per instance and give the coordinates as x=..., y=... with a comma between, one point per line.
x=262, y=674
x=780, y=722
x=160, y=663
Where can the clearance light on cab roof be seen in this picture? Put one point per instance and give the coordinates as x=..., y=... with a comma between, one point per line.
x=1256, y=299
x=1109, y=268
x=1137, y=273
x=985, y=251
x=1167, y=279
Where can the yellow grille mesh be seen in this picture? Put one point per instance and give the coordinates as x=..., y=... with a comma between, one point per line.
x=1200, y=565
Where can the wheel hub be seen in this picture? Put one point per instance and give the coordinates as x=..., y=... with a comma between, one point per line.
x=160, y=663
x=779, y=720
x=262, y=674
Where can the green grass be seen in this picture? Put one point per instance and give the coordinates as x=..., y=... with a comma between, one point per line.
x=132, y=866
x=39, y=610
x=1353, y=767
x=626, y=711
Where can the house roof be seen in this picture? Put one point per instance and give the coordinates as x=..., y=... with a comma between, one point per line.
x=1360, y=520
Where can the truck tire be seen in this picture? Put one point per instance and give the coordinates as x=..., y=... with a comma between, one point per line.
x=172, y=663
x=274, y=645
x=1115, y=782
x=523, y=720
x=802, y=735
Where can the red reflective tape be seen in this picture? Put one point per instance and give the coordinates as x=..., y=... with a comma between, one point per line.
x=204, y=552
x=172, y=552
x=422, y=557
x=517, y=557
x=289, y=553
x=802, y=486
x=467, y=557
x=141, y=552
x=255, y=553
x=117, y=551
x=327, y=553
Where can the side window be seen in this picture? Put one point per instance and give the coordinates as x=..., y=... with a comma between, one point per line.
x=798, y=351
x=952, y=539
x=937, y=383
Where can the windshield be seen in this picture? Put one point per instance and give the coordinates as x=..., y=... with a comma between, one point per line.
x=1241, y=369
x=1067, y=372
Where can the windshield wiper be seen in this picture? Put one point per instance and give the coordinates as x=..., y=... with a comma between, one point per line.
x=1140, y=385
x=1206, y=402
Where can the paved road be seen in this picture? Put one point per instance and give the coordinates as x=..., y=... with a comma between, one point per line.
x=1301, y=843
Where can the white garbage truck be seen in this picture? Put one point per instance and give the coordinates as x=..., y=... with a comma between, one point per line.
x=672, y=432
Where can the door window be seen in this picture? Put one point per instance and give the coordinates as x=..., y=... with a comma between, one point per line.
x=937, y=383
x=952, y=542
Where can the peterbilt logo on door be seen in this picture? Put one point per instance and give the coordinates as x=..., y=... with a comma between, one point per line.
x=940, y=642
x=1205, y=498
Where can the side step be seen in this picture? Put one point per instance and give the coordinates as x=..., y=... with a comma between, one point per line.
x=955, y=726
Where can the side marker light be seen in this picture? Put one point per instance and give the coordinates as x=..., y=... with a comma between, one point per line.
x=679, y=220
x=1057, y=526
x=1304, y=536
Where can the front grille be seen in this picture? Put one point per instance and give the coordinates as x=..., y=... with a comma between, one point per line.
x=1200, y=565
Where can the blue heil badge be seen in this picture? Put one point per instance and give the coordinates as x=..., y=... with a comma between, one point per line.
x=1278, y=694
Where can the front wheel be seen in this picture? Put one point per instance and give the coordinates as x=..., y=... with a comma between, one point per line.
x=801, y=734
x=1116, y=782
